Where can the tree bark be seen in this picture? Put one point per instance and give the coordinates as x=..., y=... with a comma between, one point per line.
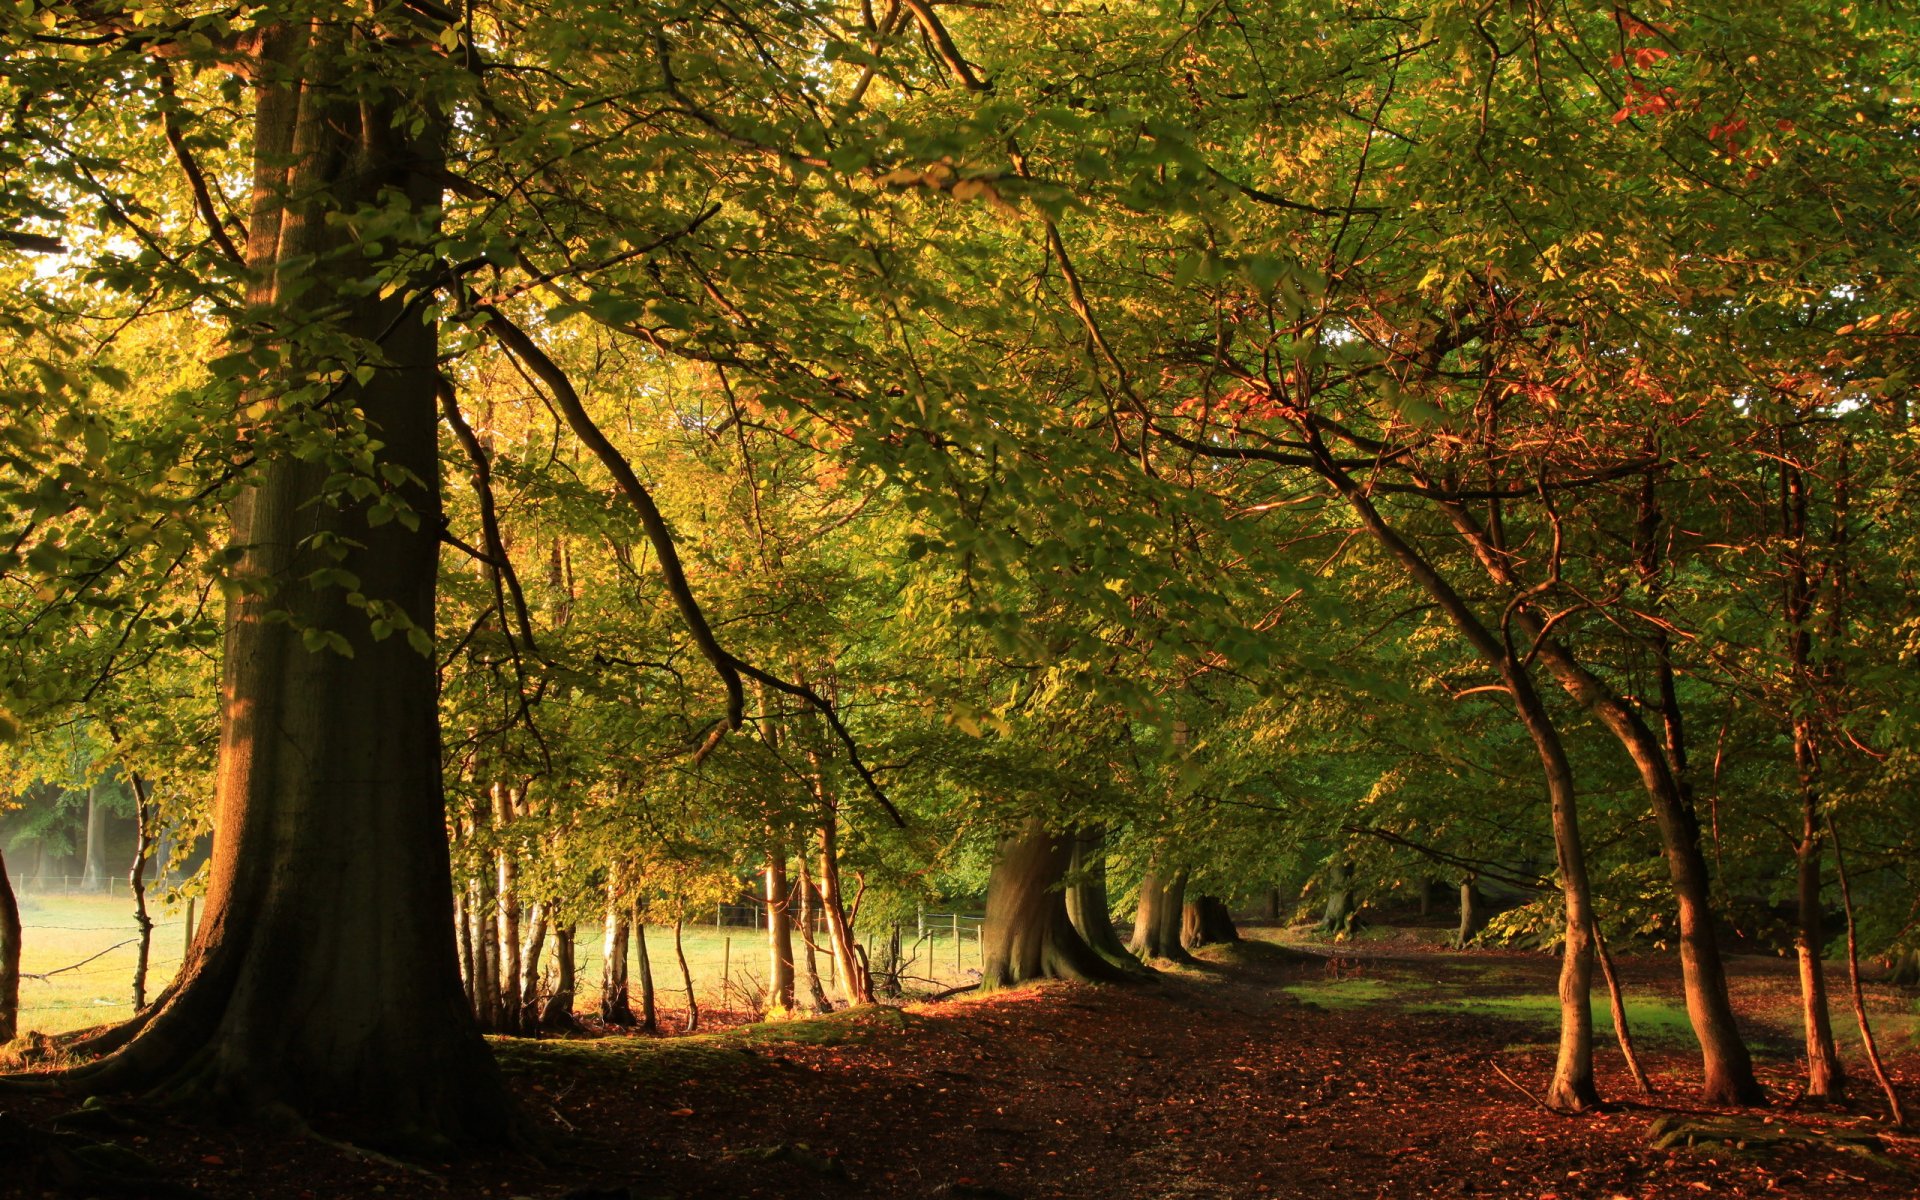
x=1205, y=921
x=530, y=952
x=816, y=994
x=558, y=1016
x=686, y=979
x=1087, y=904
x=1028, y=934
x=137, y=884
x=1472, y=917
x=507, y=912
x=649, y=1012
x=1573, y=1087
x=93, y=874
x=779, y=935
x=615, y=1006
x=323, y=982
x=854, y=981
x=1157, y=916
x=9, y=957
x=1338, y=916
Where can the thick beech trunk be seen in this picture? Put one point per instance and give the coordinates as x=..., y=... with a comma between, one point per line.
x=779, y=935
x=323, y=981
x=649, y=1011
x=1205, y=921
x=486, y=952
x=9, y=957
x=1087, y=904
x=1825, y=1075
x=1027, y=934
x=558, y=1016
x=615, y=1006
x=1157, y=916
x=530, y=951
x=1338, y=916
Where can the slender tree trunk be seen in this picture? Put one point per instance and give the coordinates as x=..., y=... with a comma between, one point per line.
x=615, y=1006
x=649, y=1012
x=779, y=936
x=486, y=951
x=329, y=887
x=137, y=884
x=1027, y=934
x=854, y=981
x=1573, y=1085
x=507, y=912
x=1087, y=904
x=558, y=1016
x=816, y=994
x=1617, y=1006
x=9, y=957
x=93, y=872
x=1826, y=1077
x=1272, y=910
x=1896, y=1113
x=1472, y=917
x=686, y=978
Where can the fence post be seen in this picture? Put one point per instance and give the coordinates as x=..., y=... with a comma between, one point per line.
x=726, y=971
x=189, y=945
x=956, y=941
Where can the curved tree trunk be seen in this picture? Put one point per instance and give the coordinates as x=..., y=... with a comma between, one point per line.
x=1473, y=917
x=855, y=983
x=686, y=978
x=1573, y=1086
x=137, y=884
x=1157, y=916
x=816, y=993
x=9, y=957
x=530, y=951
x=1027, y=934
x=1205, y=921
x=779, y=936
x=649, y=1012
x=323, y=981
x=1087, y=904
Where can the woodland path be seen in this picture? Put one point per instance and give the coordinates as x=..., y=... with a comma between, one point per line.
x=1217, y=1081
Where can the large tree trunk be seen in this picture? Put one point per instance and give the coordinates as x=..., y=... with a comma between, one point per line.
x=1205, y=921
x=1157, y=916
x=615, y=1006
x=9, y=957
x=1087, y=904
x=1027, y=934
x=1338, y=916
x=779, y=936
x=558, y=1016
x=323, y=981
x=486, y=951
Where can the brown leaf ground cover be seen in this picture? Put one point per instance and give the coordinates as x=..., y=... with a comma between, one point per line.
x=1352, y=1072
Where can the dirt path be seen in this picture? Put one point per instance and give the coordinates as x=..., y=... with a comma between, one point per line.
x=1217, y=1082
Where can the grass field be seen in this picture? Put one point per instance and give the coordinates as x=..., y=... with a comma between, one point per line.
x=92, y=935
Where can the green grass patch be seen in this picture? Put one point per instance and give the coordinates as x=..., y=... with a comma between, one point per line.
x=1654, y=1020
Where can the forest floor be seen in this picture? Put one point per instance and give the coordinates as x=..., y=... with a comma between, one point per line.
x=1353, y=1071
